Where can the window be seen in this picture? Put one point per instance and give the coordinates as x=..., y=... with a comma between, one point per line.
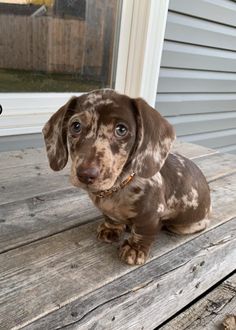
x=56, y=46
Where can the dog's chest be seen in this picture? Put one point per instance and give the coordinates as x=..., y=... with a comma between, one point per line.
x=118, y=207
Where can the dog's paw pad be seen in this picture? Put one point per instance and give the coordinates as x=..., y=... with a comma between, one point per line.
x=108, y=235
x=132, y=256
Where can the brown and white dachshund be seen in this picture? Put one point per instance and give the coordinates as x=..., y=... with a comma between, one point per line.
x=120, y=152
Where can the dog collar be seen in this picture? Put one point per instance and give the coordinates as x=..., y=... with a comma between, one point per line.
x=108, y=192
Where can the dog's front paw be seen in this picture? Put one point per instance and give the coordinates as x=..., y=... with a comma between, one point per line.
x=131, y=255
x=109, y=234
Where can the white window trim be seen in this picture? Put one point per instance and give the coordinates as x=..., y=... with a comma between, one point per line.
x=26, y=113
x=139, y=55
x=141, y=42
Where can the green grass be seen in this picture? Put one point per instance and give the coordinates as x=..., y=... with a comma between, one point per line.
x=27, y=81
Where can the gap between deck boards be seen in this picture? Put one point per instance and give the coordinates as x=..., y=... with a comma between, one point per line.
x=167, y=283
x=165, y=324
x=221, y=188
x=38, y=156
x=45, y=214
x=63, y=240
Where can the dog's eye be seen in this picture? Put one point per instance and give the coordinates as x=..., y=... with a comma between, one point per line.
x=76, y=127
x=121, y=130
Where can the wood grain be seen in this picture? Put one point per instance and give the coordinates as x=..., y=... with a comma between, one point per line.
x=33, y=156
x=38, y=179
x=217, y=165
x=25, y=221
x=54, y=273
x=191, y=150
x=18, y=183
x=49, y=43
x=39, y=216
x=70, y=259
x=210, y=311
x=37, y=156
x=166, y=284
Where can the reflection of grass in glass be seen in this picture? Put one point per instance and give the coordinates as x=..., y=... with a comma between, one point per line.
x=41, y=2
x=26, y=81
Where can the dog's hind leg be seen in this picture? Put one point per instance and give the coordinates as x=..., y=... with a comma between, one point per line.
x=185, y=229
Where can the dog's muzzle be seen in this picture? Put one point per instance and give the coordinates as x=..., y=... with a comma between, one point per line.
x=87, y=175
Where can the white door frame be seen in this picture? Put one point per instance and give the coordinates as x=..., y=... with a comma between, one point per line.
x=139, y=55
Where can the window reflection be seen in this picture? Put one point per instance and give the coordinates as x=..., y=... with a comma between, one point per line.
x=56, y=46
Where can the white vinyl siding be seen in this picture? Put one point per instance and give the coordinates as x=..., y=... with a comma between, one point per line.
x=197, y=82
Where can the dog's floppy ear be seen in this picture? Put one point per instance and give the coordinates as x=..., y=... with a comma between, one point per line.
x=55, y=135
x=154, y=139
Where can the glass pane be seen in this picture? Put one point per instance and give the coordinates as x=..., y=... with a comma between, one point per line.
x=57, y=45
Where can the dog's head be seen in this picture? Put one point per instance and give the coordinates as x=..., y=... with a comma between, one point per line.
x=106, y=133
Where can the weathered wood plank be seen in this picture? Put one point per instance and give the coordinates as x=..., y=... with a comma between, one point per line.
x=27, y=171
x=25, y=221
x=210, y=311
x=191, y=150
x=36, y=217
x=28, y=181
x=33, y=156
x=70, y=258
x=38, y=179
x=223, y=192
x=146, y=296
x=37, y=156
x=217, y=165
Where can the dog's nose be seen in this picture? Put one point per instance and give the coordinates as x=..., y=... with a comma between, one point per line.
x=87, y=175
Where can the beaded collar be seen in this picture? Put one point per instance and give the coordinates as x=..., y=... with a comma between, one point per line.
x=109, y=192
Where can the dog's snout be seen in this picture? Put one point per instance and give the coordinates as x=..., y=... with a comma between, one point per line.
x=87, y=175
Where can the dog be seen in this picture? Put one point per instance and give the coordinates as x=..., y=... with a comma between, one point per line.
x=120, y=152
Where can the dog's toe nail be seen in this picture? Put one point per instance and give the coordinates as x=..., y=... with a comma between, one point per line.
x=140, y=258
x=132, y=256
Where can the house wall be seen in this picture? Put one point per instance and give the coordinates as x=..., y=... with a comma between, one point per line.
x=197, y=82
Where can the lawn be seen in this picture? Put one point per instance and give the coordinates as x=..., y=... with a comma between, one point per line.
x=28, y=81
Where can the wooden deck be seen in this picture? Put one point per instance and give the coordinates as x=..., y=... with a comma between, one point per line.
x=54, y=274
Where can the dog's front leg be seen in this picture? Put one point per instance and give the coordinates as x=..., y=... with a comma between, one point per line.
x=135, y=250
x=109, y=231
